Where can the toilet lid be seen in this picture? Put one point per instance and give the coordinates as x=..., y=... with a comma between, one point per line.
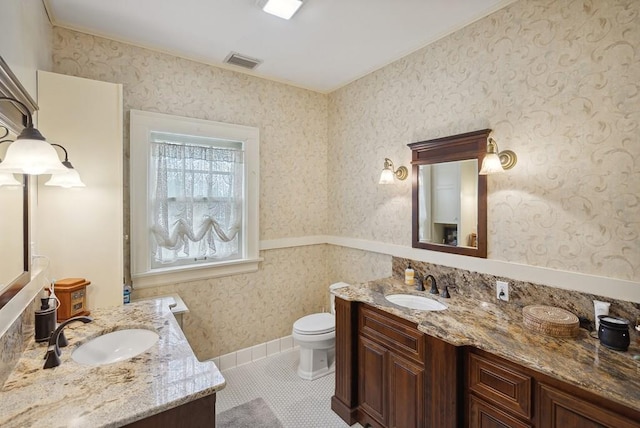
x=315, y=324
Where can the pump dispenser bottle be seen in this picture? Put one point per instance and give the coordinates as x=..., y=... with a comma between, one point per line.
x=45, y=320
x=409, y=275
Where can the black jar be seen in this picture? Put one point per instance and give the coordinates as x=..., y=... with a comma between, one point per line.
x=614, y=332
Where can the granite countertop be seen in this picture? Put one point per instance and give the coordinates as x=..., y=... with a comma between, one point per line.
x=76, y=395
x=497, y=327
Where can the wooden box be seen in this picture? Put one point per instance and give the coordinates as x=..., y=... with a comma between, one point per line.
x=72, y=293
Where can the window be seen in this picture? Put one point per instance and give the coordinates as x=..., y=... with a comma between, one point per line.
x=194, y=198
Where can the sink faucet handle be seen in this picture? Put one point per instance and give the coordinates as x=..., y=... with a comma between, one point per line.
x=432, y=282
x=445, y=293
x=53, y=349
x=419, y=282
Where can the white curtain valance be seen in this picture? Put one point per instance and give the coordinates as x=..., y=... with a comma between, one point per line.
x=197, y=202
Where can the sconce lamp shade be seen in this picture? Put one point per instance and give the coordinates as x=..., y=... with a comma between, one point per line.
x=7, y=179
x=491, y=164
x=388, y=173
x=386, y=177
x=494, y=161
x=67, y=179
x=30, y=153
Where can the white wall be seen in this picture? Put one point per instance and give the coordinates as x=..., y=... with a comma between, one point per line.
x=81, y=229
x=26, y=39
x=26, y=46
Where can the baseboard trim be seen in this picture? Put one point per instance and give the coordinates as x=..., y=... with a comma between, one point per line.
x=254, y=353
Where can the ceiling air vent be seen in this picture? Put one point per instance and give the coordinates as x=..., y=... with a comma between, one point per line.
x=235, y=58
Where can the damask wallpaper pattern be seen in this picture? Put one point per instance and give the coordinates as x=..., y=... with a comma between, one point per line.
x=234, y=312
x=559, y=83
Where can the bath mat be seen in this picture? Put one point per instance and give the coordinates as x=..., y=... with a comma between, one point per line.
x=254, y=414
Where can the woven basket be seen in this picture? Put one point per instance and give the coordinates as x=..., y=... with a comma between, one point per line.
x=551, y=321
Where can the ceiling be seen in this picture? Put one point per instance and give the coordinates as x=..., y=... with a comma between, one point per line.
x=326, y=45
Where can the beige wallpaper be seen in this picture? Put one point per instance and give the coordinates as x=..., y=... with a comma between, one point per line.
x=354, y=266
x=559, y=83
x=236, y=312
x=231, y=313
x=556, y=80
x=292, y=121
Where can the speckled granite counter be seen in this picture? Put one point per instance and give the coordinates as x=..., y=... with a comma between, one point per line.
x=75, y=395
x=497, y=327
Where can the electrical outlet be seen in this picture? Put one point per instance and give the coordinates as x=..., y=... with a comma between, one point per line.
x=502, y=290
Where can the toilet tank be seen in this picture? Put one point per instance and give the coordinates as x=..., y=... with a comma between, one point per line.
x=332, y=297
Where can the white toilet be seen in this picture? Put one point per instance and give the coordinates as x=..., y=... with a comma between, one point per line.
x=316, y=335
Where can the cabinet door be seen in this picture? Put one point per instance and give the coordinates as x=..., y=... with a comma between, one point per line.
x=558, y=409
x=372, y=391
x=484, y=415
x=406, y=393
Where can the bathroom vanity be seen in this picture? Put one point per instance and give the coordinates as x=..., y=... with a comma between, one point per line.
x=163, y=386
x=471, y=365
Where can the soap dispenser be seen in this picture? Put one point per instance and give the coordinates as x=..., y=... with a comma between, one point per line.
x=45, y=320
x=409, y=275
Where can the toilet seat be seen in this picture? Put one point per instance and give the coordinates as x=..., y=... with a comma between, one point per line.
x=315, y=324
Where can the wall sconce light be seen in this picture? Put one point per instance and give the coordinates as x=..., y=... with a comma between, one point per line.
x=7, y=178
x=30, y=153
x=495, y=161
x=388, y=173
x=68, y=178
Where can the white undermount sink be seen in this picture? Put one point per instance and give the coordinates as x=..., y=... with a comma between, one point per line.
x=115, y=346
x=415, y=302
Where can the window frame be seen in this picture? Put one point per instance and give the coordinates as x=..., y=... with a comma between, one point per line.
x=142, y=123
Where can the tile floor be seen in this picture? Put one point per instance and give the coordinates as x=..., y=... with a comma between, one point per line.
x=296, y=402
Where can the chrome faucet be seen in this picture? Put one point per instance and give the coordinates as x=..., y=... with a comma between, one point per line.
x=53, y=349
x=432, y=282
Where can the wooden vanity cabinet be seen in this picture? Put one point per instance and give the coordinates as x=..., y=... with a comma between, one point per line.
x=199, y=413
x=389, y=374
x=502, y=394
x=390, y=370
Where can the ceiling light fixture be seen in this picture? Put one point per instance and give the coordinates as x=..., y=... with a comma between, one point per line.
x=284, y=9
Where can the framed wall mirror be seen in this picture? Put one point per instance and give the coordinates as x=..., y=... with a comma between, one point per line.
x=14, y=199
x=449, y=198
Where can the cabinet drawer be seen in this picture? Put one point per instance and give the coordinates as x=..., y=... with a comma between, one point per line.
x=399, y=335
x=500, y=384
x=484, y=415
x=559, y=409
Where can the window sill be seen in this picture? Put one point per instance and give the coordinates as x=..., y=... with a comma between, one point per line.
x=180, y=274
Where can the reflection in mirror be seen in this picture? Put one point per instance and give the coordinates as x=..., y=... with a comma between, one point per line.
x=449, y=208
x=11, y=263
x=14, y=200
x=448, y=203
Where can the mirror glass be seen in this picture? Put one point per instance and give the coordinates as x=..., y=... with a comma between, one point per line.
x=11, y=254
x=14, y=200
x=449, y=205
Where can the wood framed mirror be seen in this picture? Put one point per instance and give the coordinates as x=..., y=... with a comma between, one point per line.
x=14, y=200
x=449, y=198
